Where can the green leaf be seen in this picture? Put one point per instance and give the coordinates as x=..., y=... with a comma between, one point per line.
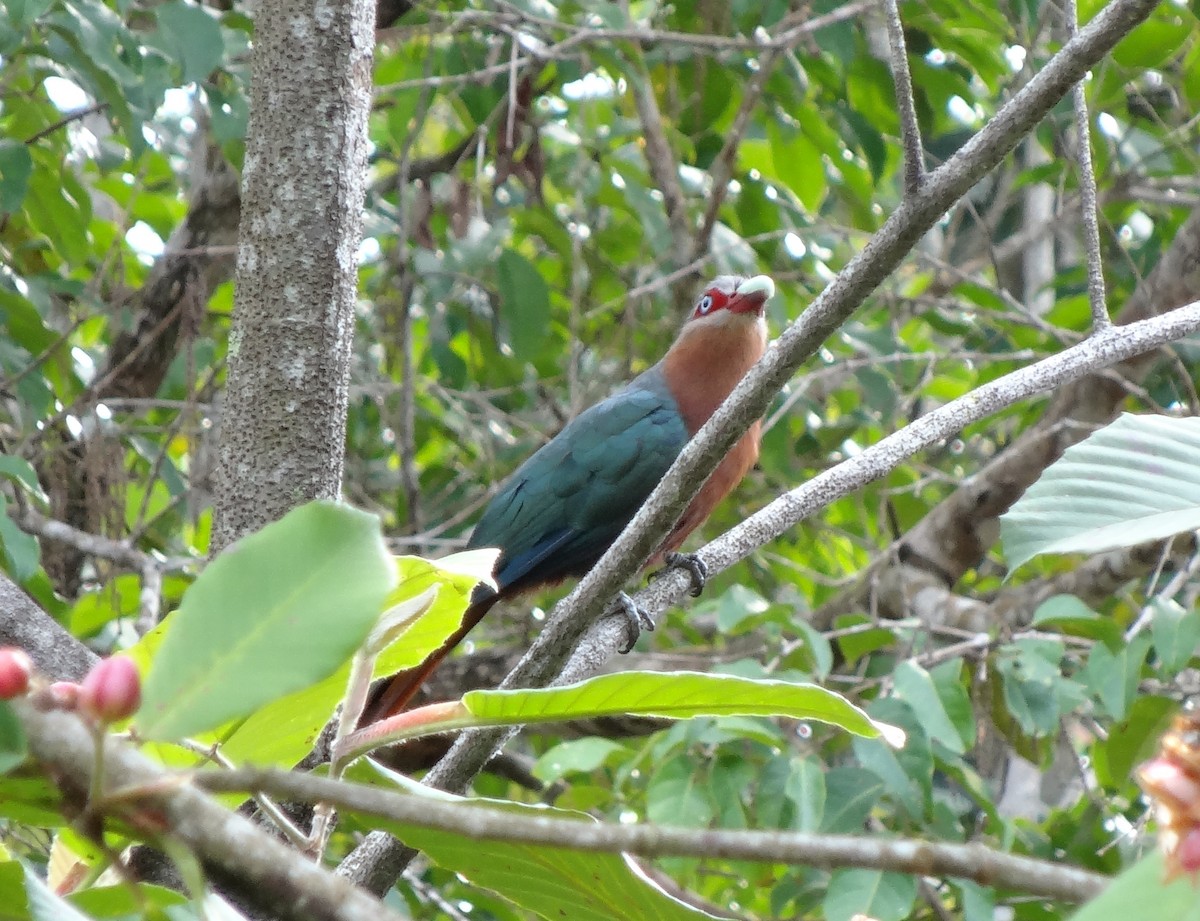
x=195, y=36
x=128, y=900
x=798, y=164
x=1035, y=691
x=524, y=304
x=674, y=695
x=915, y=685
x=30, y=800
x=908, y=773
x=1133, y=481
x=14, y=748
x=869, y=893
x=1140, y=892
x=805, y=787
x=1113, y=676
x=678, y=794
x=21, y=550
x=1132, y=740
x=578, y=756
x=1176, y=633
x=59, y=218
x=851, y=793
x=15, y=168
x=23, y=12
x=551, y=881
x=737, y=605
x=21, y=472
x=283, y=731
x=1155, y=41
x=1070, y=615
x=14, y=904
x=276, y=612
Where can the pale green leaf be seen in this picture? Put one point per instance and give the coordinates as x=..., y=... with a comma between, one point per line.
x=552, y=881
x=1133, y=481
x=276, y=612
x=1140, y=892
x=674, y=695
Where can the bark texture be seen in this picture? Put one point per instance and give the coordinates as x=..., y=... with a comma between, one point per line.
x=303, y=184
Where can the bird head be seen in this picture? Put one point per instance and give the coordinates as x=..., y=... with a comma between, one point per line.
x=732, y=295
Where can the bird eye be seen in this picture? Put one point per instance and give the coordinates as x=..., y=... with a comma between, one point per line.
x=705, y=305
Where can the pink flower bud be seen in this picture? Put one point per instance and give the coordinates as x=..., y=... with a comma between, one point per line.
x=1188, y=853
x=15, y=669
x=112, y=690
x=63, y=695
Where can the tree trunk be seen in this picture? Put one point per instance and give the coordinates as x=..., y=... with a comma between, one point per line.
x=303, y=181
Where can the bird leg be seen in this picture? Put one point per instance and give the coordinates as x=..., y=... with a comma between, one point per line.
x=696, y=568
x=639, y=619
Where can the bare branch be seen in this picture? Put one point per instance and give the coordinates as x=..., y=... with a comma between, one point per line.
x=955, y=535
x=660, y=159
x=229, y=846
x=1087, y=190
x=119, y=551
x=23, y=623
x=967, y=861
x=906, y=106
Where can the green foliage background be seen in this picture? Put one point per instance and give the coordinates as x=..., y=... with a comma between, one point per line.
x=519, y=264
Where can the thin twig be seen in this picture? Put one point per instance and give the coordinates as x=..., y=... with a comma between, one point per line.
x=721, y=170
x=660, y=159
x=66, y=120
x=1087, y=191
x=906, y=107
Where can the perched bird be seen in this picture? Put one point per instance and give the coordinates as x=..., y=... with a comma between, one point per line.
x=562, y=509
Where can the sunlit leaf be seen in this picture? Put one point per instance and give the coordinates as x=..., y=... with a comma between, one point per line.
x=277, y=611
x=1130, y=482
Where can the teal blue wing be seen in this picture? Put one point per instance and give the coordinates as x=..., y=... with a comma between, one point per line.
x=565, y=505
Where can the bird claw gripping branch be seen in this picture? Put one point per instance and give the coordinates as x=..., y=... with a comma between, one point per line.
x=638, y=617
x=691, y=564
x=562, y=509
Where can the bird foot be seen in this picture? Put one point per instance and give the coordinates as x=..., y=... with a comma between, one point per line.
x=639, y=619
x=695, y=567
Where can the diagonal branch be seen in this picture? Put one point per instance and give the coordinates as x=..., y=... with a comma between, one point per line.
x=955, y=535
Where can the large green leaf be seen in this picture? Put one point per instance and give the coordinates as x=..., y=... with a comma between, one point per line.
x=674, y=695
x=871, y=894
x=524, y=303
x=194, y=35
x=1140, y=892
x=552, y=881
x=277, y=611
x=1133, y=481
x=283, y=731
